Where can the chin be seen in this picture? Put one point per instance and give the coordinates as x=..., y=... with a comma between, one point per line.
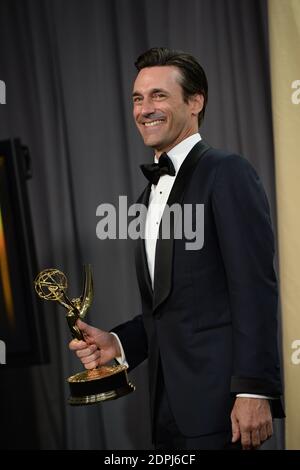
x=150, y=143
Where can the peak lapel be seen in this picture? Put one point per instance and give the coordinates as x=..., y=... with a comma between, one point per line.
x=141, y=258
x=164, y=247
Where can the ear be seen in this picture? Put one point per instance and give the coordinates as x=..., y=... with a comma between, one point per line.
x=196, y=103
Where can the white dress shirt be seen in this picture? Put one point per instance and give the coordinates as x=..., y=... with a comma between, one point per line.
x=159, y=196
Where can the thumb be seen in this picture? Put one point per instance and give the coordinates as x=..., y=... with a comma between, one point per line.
x=84, y=327
x=235, y=430
x=90, y=333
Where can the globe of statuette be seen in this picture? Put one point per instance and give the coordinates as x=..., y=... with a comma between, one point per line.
x=51, y=284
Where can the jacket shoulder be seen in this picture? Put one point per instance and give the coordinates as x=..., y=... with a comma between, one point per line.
x=228, y=164
x=223, y=157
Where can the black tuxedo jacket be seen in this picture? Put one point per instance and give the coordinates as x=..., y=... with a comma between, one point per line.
x=212, y=316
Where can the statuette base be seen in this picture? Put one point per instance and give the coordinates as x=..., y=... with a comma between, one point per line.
x=97, y=385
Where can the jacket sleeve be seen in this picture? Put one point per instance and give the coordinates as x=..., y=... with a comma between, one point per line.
x=134, y=341
x=246, y=240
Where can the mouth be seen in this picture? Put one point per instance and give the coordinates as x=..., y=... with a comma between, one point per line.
x=156, y=122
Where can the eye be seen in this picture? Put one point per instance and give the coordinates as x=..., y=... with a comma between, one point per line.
x=159, y=95
x=137, y=99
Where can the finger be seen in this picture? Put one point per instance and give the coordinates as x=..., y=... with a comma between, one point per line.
x=91, y=365
x=235, y=430
x=87, y=351
x=76, y=345
x=263, y=433
x=270, y=428
x=91, y=358
x=246, y=440
x=255, y=439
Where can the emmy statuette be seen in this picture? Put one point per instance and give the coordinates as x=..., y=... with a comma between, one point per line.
x=90, y=386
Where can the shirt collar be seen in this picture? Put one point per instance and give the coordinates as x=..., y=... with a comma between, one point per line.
x=181, y=150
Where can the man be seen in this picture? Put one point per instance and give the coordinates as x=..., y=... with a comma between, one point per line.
x=208, y=325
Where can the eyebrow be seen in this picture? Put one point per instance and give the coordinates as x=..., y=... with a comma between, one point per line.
x=154, y=90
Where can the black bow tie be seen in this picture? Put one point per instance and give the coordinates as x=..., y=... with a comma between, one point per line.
x=154, y=171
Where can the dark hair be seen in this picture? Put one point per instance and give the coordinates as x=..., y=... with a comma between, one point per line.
x=193, y=81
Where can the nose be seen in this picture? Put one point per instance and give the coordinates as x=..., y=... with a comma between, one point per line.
x=147, y=107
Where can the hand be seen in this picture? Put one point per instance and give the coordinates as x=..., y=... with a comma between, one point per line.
x=98, y=348
x=251, y=422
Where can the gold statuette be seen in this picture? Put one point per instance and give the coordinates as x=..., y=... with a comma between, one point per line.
x=90, y=386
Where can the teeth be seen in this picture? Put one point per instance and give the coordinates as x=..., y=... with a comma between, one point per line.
x=153, y=123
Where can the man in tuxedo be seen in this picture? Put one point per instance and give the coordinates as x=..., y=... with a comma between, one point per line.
x=209, y=316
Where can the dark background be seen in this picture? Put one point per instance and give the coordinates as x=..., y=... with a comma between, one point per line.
x=68, y=67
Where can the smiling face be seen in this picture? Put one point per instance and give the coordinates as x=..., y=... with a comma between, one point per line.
x=162, y=116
